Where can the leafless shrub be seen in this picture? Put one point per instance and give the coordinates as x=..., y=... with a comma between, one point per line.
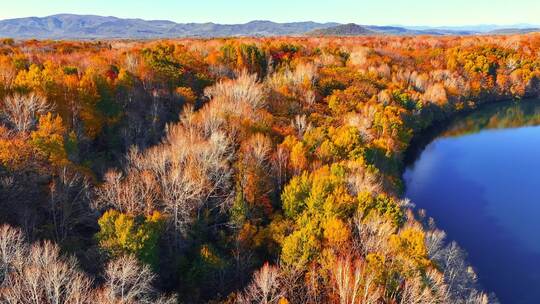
x=328, y=59
x=457, y=85
x=440, y=75
x=220, y=71
x=384, y=97
x=212, y=117
x=364, y=121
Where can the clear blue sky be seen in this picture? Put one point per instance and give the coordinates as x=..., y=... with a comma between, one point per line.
x=378, y=12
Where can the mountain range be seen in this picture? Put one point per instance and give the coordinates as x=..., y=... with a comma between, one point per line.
x=70, y=26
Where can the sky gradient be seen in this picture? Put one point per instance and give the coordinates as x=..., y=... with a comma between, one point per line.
x=374, y=12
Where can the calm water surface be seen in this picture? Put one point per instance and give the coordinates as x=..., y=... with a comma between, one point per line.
x=480, y=181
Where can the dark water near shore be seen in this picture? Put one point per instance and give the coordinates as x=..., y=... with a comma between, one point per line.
x=480, y=181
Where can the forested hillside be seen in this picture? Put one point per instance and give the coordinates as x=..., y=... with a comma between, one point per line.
x=235, y=170
x=71, y=26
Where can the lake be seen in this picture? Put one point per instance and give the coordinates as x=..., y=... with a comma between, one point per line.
x=480, y=180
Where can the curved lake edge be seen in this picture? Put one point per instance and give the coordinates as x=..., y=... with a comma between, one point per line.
x=422, y=138
x=445, y=129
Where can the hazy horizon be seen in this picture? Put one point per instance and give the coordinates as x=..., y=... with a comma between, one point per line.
x=295, y=21
x=404, y=13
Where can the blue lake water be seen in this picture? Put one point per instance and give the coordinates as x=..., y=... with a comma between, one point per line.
x=480, y=181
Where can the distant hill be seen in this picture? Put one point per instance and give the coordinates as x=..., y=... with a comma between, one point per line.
x=350, y=29
x=89, y=26
x=472, y=29
x=69, y=26
x=512, y=31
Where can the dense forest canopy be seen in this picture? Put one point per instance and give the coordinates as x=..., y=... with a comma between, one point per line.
x=234, y=170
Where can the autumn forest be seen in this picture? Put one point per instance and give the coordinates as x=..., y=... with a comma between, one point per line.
x=245, y=170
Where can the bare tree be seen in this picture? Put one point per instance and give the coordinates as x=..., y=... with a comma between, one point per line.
x=361, y=180
x=21, y=110
x=69, y=202
x=265, y=288
x=135, y=193
x=347, y=278
x=303, y=74
x=293, y=283
x=353, y=284
x=427, y=289
x=38, y=274
x=435, y=243
x=7, y=75
x=258, y=147
x=190, y=170
x=129, y=282
x=301, y=125
x=373, y=234
x=132, y=62
x=280, y=161
x=436, y=94
x=44, y=276
x=183, y=193
x=479, y=298
x=459, y=278
x=310, y=98
x=13, y=250
x=243, y=90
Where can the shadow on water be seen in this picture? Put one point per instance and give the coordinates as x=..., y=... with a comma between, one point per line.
x=499, y=115
x=460, y=204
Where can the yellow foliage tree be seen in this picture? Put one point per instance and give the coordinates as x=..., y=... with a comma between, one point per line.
x=49, y=139
x=123, y=233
